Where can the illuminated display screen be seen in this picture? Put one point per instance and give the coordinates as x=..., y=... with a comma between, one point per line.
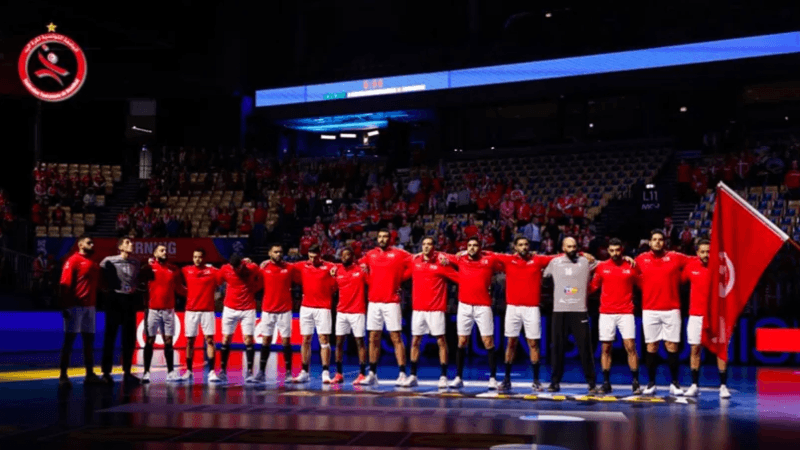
x=677, y=55
x=354, y=122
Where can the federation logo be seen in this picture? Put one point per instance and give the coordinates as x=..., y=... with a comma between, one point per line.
x=52, y=67
x=727, y=274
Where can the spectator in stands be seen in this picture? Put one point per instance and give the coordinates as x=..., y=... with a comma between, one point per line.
x=59, y=216
x=89, y=201
x=464, y=199
x=687, y=240
x=38, y=214
x=452, y=201
x=792, y=181
x=684, y=181
x=672, y=234
x=404, y=234
x=532, y=232
x=548, y=246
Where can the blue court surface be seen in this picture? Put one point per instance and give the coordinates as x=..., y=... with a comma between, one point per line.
x=763, y=412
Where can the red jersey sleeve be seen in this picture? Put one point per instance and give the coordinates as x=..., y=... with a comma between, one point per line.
x=67, y=282
x=180, y=283
x=596, y=282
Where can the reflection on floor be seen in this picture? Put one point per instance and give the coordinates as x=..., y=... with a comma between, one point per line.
x=764, y=410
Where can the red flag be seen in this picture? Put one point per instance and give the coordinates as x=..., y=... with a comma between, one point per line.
x=743, y=242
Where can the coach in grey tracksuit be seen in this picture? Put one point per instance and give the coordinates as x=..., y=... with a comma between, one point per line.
x=571, y=275
x=121, y=277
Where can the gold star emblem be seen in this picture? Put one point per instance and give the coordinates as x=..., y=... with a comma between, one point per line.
x=51, y=27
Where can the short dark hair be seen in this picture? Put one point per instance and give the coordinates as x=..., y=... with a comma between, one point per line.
x=474, y=238
x=120, y=241
x=80, y=239
x=314, y=249
x=657, y=231
x=384, y=230
x=275, y=244
x=200, y=250
x=703, y=242
x=433, y=241
x=519, y=238
x=615, y=241
x=235, y=260
x=348, y=248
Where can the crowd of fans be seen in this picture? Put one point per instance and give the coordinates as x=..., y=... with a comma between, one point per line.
x=7, y=217
x=63, y=190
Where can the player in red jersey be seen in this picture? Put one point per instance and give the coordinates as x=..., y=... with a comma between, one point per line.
x=661, y=314
x=276, y=309
x=201, y=282
x=616, y=277
x=79, y=280
x=315, y=311
x=523, y=291
x=696, y=272
x=429, y=304
x=386, y=266
x=351, y=312
x=163, y=283
x=475, y=271
x=243, y=280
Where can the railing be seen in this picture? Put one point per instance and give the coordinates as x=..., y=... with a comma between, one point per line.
x=16, y=272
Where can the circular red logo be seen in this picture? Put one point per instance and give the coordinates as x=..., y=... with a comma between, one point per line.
x=52, y=67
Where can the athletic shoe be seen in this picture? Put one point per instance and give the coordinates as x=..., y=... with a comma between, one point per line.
x=222, y=377
x=675, y=390
x=457, y=383
x=636, y=389
x=146, y=378
x=249, y=378
x=187, y=376
x=506, y=384
x=443, y=382
x=492, y=384
x=370, y=380
x=554, y=387
x=606, y=388
x=107, y=379
x=359, y=380
x=173, y=377
x=650, y=389
x=401, y=379
x=260, y=378
x=301, y=377
x=64, y=383
x=337, y=379
x=212, y=377
x=693, y=391
x=93, y=379
x=326, y=377
x=724, y=392
x=594, y=390
x=410, y=381
x=537, y=386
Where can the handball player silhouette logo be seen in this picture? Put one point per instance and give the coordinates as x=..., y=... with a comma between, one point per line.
x=52, y=67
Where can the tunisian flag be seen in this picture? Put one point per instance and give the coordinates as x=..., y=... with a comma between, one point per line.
x=743, y=242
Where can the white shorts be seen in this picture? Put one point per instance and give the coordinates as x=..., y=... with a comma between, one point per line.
x=610, y=323
x=694, y=330
x=200, y=319
x=318, y=318
x=661, y=326
x=81, y=320
x=469, y=315
x=232, y=317
x=275, y=321
x=345, y=323
x=427, y=322
x=380, y=313
x=160, y=321
x=528, y=316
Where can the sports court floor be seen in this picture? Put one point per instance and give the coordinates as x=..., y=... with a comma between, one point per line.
x=764, y=411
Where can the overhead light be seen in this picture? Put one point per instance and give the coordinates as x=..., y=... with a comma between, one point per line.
x=591, y=125
x=548, y=15
x=373, y=133
x=683, y=109
x=492, y=148
x=348, y=135
x=786, y=118
x=135, y=128
x=328, y=137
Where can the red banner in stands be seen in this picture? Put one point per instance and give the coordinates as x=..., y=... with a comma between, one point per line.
x=179, y=341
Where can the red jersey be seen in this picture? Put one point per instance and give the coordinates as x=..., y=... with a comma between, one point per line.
x=700, y=278
x=163, y=283
x=317, y=283
x=240, y=292
x=659, y=280
x=351, y=282
x=525, y=212
x=429, y=285
x=507, y=209
x=617, y=281
x=523, y=278
x=277, y=279
x=475, y=277
x=385, y=273
x=79, y=279
x=305, y=243
x=201, y=282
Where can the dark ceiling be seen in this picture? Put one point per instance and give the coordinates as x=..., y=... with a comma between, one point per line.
x=189, y=48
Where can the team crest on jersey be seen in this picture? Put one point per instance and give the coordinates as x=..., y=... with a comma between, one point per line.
x=434, y=267
x=626, y=272
x=485, y=262
x=530, y=262
x=391, y=255
x=570, y=290
x=284, y=271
